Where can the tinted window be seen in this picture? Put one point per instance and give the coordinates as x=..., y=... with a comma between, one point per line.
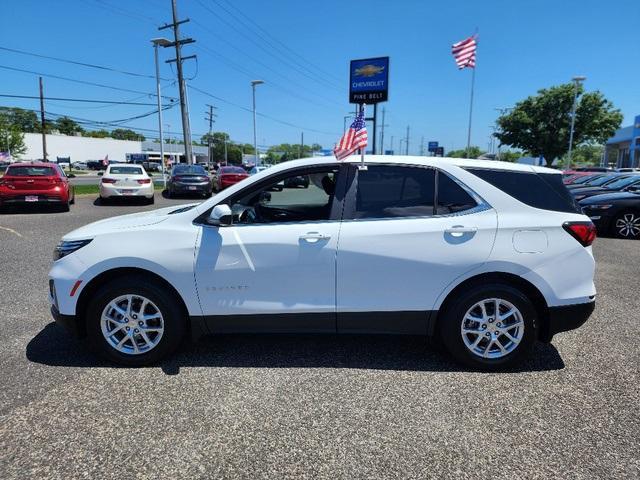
x=603, y=180
x=539, y=190
x=195, y=169
x=585, y=179
x=623, y=182
x=31, y=171
x=385, y=191
x=452, y=198
x=125, y=170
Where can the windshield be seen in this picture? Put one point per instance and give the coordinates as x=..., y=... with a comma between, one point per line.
x=586, y=179
x=31, y=171
x=190, y=169
x=232, y=170
x=126, y=170
x=623, y=182
x=602, y=180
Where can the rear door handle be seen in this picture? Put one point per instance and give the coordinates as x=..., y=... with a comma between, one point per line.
x=458, y=230
x=313, y=237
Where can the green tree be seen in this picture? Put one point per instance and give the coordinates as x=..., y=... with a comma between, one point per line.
x=510, y=155
x=66, y=126
x=126, y=134
x=288, y=151
x=540, y=124
x=474, y=152
x=96, y=133
x=25, y=120
x=11, y=138
x=588, y=154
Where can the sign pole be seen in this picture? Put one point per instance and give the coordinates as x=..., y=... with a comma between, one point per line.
x=473, y=81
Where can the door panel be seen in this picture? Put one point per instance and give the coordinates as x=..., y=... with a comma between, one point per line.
x=404, y=264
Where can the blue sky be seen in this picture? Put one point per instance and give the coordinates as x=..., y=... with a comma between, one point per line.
x=523, y=46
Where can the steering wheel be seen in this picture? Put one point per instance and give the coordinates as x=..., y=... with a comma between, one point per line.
x=248, y=215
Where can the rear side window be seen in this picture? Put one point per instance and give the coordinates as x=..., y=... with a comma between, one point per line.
x=30, y=171
x=452, y=198
x=539, y=190
x=391, y=191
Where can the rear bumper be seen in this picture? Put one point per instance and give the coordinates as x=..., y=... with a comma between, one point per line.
x=192, y=187
x=124, y=192
x=567, y=317
x=21, y=199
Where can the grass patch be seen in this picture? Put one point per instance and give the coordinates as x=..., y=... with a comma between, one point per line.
x=95, y=189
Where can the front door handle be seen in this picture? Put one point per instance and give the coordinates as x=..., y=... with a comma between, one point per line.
x=313, y=237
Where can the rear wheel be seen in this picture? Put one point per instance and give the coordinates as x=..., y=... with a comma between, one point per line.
x=490, y=327
x=627, y=225
x=151, y=200
x=134, y=322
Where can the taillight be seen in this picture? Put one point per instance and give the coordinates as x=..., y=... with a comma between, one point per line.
x=583, y=232
x=144, y=180
x=109, y=180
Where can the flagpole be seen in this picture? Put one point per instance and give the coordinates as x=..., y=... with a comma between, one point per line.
x=473, y=81
x=362, y=165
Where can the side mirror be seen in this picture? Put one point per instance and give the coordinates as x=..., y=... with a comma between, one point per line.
x=221, y=216
x=100, y=174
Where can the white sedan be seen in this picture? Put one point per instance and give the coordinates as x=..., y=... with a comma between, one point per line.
x=125, y=180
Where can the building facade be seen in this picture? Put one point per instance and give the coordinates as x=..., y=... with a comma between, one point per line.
x=623, y=149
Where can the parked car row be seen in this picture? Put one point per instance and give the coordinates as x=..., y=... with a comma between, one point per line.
x=610, y=199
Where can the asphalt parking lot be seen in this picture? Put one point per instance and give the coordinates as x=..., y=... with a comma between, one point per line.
x=309, y=407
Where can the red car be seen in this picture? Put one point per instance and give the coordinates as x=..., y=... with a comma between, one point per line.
x=227, y=176
x=36, y=183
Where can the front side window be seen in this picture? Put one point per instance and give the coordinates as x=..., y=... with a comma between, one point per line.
x=296, y=198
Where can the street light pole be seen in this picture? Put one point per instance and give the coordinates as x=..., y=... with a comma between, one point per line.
x=255, y=135
x=160, y=42
x=577, y=81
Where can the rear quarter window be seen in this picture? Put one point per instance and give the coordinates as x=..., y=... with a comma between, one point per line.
x=539, y=190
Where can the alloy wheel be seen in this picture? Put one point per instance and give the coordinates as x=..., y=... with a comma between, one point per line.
x=628, y=225
x=132, y=324
x=492, y=328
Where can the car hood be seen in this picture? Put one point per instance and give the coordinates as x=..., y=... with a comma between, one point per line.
x=123, y=222
x=609, y=197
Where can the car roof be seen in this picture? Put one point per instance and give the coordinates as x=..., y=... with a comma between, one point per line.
x=417, y=160
x=125, y=165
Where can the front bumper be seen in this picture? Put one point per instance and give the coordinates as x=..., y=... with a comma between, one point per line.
x=68, y=322
x=567, y=317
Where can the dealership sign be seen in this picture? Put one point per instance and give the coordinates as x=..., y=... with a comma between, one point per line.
x=369, y=80
x=433, y=146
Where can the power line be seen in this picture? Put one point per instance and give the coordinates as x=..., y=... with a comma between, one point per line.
x=84, y=82
x=84, y=100
x=82, y=64
x=283, y=122
x=286, y=47
x=261, y=46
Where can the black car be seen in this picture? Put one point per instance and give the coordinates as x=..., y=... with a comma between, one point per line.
x=615, y=213
x=620, y=184
x=596, y=181
x=189, y=179
x=295, y=182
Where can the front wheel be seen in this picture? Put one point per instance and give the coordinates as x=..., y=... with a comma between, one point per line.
x=134, y=322
x=489, y=327
x=627, y=225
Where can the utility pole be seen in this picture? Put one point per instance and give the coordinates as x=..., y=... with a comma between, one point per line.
x=577, y=81
x=44, y=135
x=184, y=106
x=407, y=142
x=301, y=144
x=211, y=120
x=382, y=132
x=422, y=146
x=391, y=147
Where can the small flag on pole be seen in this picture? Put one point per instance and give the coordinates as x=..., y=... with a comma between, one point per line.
x=353, y=139
x=464, y=52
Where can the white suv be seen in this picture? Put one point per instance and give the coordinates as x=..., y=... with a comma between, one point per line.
x=487, y=257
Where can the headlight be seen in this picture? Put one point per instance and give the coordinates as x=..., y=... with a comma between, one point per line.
x=65, y=248
x=598, y=207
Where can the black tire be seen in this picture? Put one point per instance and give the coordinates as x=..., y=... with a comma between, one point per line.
x=451, y=322
x=65, y=207
x=151, y=201
x=625, y=216
x=169, y=306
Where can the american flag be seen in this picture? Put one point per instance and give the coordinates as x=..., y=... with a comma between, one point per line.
x=465, y=52
x=353, y=139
